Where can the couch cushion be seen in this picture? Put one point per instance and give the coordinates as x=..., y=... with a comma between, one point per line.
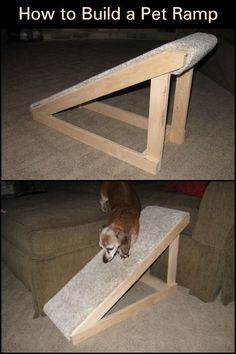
x=41, y=225
x=194, y=188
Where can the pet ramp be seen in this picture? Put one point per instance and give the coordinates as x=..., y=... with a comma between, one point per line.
x=77, y=309
x=177, y=57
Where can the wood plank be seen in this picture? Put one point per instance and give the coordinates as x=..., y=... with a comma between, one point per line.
x=146, y=69
x=180, y=107
x=105, y=145
x=121, y=315
x=119, y=114
x=153, y=282
x=157, y=116
x=172, y=262
x=167, y=133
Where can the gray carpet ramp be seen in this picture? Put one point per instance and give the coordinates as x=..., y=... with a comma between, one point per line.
x=196, y=46
x=70, y=307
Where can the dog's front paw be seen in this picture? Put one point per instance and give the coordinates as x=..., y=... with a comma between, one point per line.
x=123, y=256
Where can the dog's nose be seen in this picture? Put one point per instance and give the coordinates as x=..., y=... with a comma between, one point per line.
x=105, y=260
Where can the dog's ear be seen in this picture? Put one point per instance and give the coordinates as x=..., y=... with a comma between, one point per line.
x=121, y=235
x=101, y=228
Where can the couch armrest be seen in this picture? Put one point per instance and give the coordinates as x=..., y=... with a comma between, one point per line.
x=227, y=293
x=216, y=215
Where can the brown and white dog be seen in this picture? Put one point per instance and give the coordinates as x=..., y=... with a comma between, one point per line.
x=122, y=228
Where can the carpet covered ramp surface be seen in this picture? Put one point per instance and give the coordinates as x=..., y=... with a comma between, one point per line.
x=92, y=291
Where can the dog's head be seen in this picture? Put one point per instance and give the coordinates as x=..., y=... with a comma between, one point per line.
x=110, y=240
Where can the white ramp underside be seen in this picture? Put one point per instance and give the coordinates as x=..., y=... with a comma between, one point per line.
x=98, y=286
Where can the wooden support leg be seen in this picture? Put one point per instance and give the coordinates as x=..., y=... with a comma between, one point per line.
x=172, y=262
x=180, y=108
x=157, y=117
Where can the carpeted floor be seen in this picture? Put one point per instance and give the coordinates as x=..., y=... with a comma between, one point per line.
x=32, y=71
x=181, y=323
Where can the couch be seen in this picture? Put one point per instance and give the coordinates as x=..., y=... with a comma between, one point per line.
x=206, y=250
x=48, y=237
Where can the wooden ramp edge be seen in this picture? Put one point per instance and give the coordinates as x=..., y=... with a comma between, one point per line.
x=77, y=309
x=111, y=81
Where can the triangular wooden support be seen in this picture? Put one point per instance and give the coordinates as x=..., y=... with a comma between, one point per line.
x=78, y=308
x=157, y=66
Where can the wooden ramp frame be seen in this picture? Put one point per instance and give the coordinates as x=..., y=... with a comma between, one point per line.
x=116, y=277
x=157, y=67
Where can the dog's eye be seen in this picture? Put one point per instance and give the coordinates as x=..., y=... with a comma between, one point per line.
x=110, y=249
